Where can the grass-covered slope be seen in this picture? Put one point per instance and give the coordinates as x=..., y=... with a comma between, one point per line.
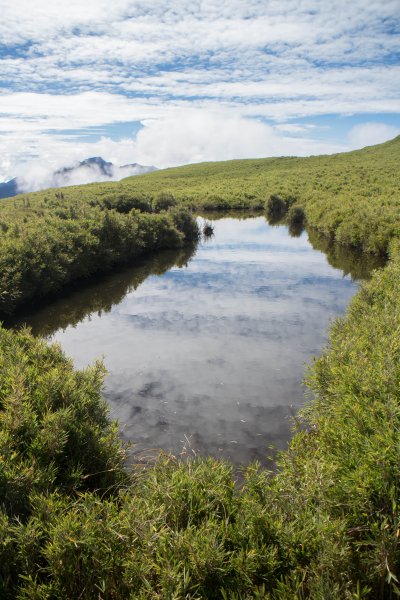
x=353, y=197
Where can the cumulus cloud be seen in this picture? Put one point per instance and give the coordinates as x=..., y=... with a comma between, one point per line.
x=197, y=136
x=368, y=134
x=176, y=137
x=184, y=136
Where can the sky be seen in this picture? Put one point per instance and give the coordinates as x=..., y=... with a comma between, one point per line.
x=166, y=83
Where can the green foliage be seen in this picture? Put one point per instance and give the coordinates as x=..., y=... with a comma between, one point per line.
x=276, y=207
x=123, y=203
x=54, y=429
x=344, y=468
x=163, y=201
x=352, y=198
x=49, y=245
x=185, y=223
x=296, y=215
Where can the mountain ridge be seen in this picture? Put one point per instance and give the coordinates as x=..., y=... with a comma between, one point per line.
x=93, y=169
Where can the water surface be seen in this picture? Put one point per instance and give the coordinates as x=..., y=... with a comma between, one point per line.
x=206, y=348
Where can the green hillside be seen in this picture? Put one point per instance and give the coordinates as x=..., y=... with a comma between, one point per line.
x=344, y=195
x=76, y=522
x=370, y=172
x=353, y=197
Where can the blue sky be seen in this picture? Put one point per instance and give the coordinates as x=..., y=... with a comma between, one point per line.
x=169, y=83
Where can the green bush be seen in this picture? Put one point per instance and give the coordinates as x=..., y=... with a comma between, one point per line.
x=163, y=201
x=185, y=223
x=50, y=250
x=296, y=215
x=124, y=203
x=275, y=207
x=54, y=428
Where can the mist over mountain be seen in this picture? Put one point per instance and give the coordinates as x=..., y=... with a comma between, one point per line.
x=9, y=188
x=90, y=170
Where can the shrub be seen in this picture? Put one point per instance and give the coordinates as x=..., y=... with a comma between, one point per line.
x=163, y=201
x=275, y=207
x=296, y=215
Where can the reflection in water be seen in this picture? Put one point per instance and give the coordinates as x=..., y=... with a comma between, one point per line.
x=354, y=263
x=295, y=229
x=350, y=261
x=212, y=349
x=101, y=293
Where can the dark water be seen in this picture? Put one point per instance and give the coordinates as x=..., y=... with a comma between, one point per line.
x=206, y=349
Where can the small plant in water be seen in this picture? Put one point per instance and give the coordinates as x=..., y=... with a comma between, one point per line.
x=208, y=229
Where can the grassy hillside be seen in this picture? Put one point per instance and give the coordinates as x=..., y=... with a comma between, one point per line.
x=75, y=523
x=256, y=178
x=352, y=197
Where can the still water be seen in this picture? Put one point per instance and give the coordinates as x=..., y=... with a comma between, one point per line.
x=206, y=348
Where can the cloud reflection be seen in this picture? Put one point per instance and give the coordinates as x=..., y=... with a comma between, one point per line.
x=215, y=351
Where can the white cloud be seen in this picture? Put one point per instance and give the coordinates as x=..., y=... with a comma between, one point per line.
x=200, y=75
x=182, y=136
x=39, y=176
x=197, y=136
x=116, y=44
x=368, y=134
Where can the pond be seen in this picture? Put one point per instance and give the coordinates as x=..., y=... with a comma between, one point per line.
x=206, y=348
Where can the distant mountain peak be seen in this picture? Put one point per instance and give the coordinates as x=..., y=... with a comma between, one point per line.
x=90, y=170
x=95, y=159
x=106, y=168
x=139, y=168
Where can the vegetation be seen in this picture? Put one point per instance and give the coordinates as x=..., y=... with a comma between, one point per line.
x=45, y=246
x=76, y=523
x=208, y=229
x=352, y=198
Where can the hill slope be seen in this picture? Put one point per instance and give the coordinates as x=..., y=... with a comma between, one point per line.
x=253, y=178
x=343, y=195
x=352, y=197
